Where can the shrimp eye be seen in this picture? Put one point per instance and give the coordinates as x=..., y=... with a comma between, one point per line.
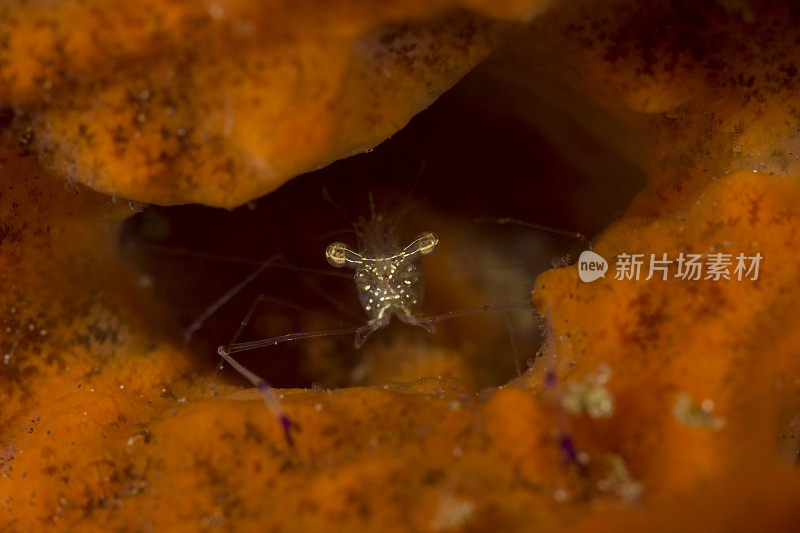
x=428, y=242
x=336, y=254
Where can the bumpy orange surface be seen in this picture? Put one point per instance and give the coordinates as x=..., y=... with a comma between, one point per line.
x=682, y=393
x=221, y=102
x=727, y=341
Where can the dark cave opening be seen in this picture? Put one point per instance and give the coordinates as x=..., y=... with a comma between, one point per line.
x=466, y=157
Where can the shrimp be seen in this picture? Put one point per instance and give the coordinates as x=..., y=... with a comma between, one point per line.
x=390, y=284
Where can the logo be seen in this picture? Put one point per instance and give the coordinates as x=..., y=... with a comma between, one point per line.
x=591, y=266
x=685, y=266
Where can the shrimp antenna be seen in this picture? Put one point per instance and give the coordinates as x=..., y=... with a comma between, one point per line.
x=372, y=211
x=517, y=222
x=326, y=195
x=408, y=203
x=213, y=308
x=180, y=251
x=514, y=349
x=266, y=391
x=276, y=261
x=228, y=349
x=502, y=306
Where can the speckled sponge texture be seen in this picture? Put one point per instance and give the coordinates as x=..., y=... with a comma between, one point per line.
x=660, y=405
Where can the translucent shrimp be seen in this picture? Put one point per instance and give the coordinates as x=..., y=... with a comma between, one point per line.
x=390, y=284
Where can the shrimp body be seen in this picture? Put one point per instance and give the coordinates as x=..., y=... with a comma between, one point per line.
x=388, y=279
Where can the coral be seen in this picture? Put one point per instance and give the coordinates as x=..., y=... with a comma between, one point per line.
x=106, y=421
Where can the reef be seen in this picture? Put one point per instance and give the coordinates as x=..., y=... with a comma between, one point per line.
x=680, y=398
